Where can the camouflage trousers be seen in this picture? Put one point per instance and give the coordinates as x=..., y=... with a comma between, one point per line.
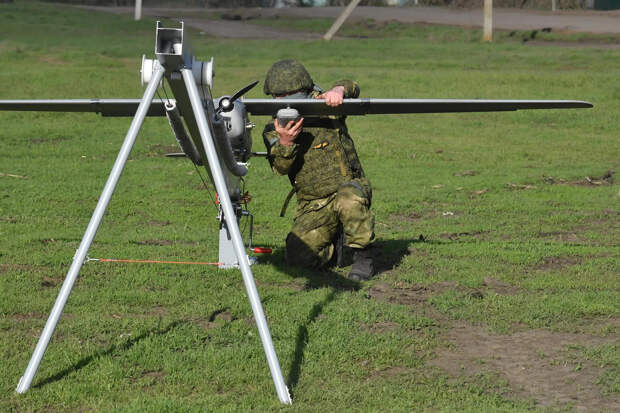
x=316, y=223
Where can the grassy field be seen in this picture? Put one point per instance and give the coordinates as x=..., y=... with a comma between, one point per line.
x=370, y=28
x=498, y=234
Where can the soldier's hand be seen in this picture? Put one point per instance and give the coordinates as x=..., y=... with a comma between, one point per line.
x=289, y=132
x=334, y=96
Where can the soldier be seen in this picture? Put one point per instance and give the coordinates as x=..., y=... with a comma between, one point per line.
x=319, y=157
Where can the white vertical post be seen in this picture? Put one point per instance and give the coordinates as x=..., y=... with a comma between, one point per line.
x=340, y=20
x=487, y=34
x=138, y=12
x=553, y=5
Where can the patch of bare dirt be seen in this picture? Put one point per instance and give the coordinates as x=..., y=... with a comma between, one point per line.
x=581, y=44
x=155, y=288
x=388, y=372
x=606, y=179
x=406, y=296
x=417, y=293
x=156, y=223
x=158, y=311
x=154, y=374
x=601, y=326
x=382, y=327
x=606, y=223
x=563, y=236
x=3, y=174
x=475, y=194
x=151, y=221
x=297, y=286
x=455, y=236
x=466, y=173
x=533, y=362
x=160, y=242
x=159, y=149
x=500, y=287
x=218, y=318
x=9, y=220
x=417, y=251
x=520, y=186
x=557, y=263
x=149, y=376
x=53, y=60
x=408, y=216
x=39, y=141
x=4, y=268
x=27, y=316
x=50, y=281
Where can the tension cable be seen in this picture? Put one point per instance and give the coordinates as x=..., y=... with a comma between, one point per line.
x=88, y=259
x=204, y=183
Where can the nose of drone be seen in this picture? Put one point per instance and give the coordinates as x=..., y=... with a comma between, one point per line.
x=225, y=105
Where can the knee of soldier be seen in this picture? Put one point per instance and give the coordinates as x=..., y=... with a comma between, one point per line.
x=301, y=253
x=350, y=197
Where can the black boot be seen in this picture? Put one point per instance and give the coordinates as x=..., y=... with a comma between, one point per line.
x=363, y=267
x=339, y=247
x=337, y=259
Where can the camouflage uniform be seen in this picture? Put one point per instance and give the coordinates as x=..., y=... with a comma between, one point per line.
x=330, y=185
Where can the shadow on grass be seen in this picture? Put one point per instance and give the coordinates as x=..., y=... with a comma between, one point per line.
x=110, y=350
x=302, y=340
x=117, y=347
x=387, y=255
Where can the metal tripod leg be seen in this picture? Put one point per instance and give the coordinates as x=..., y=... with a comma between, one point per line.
x=233, y=227
x=91, y=230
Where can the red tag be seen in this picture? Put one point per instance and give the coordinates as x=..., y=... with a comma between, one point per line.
x=261, y=250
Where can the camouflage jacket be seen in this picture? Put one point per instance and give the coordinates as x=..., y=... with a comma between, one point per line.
x=323, y=155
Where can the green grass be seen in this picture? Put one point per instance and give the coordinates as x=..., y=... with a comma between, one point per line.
x=182, y=338
x=607, y=357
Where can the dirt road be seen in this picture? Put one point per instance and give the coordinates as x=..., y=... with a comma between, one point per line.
x=508, y=19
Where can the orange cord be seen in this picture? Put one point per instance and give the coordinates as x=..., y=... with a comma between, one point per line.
x=154, y=261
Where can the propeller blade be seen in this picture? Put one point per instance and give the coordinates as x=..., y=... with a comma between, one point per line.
x=244, y=91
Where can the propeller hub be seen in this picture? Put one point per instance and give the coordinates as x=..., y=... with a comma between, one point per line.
x=227, y=103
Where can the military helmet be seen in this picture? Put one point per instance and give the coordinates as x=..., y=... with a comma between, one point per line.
x=287, y=76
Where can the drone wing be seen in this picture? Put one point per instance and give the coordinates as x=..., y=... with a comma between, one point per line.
x=307, y=107
x=316, y=107
x=105, y=107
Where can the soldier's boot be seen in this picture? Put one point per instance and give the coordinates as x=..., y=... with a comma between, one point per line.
x=363, y=265
x=337, y=259
x=339, y=247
